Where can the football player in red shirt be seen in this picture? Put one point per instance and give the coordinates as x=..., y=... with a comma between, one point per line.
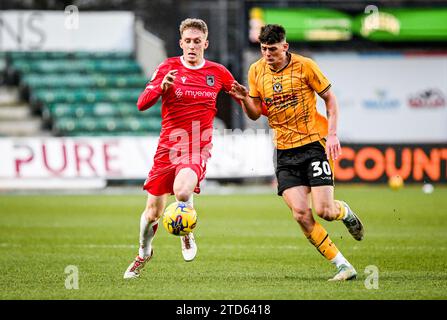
x=188, y=86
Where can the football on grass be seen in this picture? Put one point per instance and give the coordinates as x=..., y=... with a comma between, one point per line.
x=396, y=182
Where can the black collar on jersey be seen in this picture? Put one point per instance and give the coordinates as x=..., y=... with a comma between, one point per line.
x=289, y=58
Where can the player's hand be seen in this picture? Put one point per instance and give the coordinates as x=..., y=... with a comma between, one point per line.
x=238, y=91
x=333, y=148
x=168, y=80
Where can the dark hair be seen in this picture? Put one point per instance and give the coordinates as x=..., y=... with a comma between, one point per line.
x=272, y=33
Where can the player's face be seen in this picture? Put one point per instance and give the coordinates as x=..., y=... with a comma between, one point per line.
x=193, y=43
x=275, y=54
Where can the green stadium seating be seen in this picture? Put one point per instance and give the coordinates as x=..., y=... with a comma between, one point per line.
x=85, y=93
x=99, y=110
x=2, y=62
x=75, y=55
x=84, y=65
x=77, y=80
x=106, y=125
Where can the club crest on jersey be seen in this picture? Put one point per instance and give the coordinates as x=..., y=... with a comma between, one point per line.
x=210, y=80
x=277, y=87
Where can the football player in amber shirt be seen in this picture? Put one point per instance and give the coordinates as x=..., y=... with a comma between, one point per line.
x=188, y=86
x=282, y=86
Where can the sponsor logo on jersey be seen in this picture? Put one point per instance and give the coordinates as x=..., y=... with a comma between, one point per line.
x=178, y=93
x=282, y=101
x=195, y=94
x=183, y=79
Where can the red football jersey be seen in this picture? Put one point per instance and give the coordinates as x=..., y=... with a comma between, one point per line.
x=188, y=107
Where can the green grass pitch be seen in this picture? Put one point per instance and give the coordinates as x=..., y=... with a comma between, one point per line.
x=249, y=248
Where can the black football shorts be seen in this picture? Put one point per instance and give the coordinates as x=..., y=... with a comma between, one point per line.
x=307, y=165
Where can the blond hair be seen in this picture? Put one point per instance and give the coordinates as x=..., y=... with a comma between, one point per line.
x=192, y=23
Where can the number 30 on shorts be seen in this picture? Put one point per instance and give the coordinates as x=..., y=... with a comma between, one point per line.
x=321, y=166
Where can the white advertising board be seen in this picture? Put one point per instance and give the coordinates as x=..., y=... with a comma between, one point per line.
x=66, y=31
x=233, y=156
x=388, y=98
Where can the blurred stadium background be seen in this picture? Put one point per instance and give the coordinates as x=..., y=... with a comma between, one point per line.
x=75, y=69
x=71, y=72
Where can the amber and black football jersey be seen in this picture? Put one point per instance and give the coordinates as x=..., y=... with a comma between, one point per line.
x=289, y=97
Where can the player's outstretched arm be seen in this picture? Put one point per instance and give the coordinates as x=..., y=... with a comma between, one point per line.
x=158, y=85
x=250, y=106
x=333, y=148
x=148, y=97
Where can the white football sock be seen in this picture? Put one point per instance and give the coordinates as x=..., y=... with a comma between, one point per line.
x=189, y=202
x=147, y=233
x=339, y=260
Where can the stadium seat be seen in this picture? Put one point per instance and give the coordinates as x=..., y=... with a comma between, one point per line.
x=85, y=93
x=34, y=81
x=106, y=125
x=79, y=110
x=85, y=65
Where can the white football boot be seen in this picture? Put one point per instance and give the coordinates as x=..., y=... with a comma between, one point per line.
x=344, y=273
x=135, y=268
x=189, y=247
x=353, y=223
